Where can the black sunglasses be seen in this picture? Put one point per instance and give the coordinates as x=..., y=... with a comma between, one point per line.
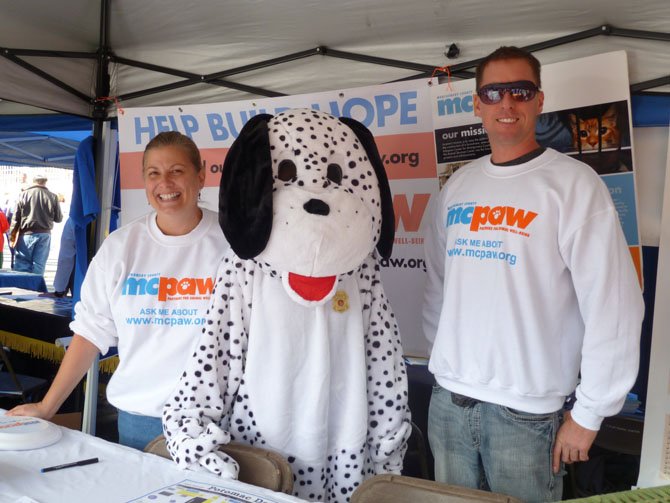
x=522, y=90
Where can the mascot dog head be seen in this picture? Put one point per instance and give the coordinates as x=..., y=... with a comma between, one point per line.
x=306, y=193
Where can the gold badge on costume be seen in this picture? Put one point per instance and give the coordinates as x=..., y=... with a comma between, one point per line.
x=340, y=301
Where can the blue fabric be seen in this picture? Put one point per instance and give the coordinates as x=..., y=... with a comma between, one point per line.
x=25, y=280
x=651, y=110
x=136, y=430
x=84, y=208
x=50, y=122
x=31, y=252
x=488, y=446
x=116, y=197
x=66, y=258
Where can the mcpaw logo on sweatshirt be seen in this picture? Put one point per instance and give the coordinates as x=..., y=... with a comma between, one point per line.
x=490, y=218
x=167, y=288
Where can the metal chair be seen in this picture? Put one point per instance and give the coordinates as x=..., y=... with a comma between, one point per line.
x=400, y=489
x=258, y=467
x=416, y=456
x=17, y=386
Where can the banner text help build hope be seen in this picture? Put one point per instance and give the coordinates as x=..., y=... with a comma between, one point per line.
x=376, y=111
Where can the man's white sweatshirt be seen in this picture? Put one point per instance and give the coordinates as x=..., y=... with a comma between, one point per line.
x=530, y=283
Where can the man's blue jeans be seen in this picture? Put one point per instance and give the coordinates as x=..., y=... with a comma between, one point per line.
x=136, y=430
x=32, y=252
x=488, y=446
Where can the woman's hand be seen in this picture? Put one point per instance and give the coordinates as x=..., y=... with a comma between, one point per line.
x=77, y=360
x=38, y=409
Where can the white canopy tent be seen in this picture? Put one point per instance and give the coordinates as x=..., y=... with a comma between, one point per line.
x=212, y=50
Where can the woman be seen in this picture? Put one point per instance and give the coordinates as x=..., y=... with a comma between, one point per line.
x=146, y=292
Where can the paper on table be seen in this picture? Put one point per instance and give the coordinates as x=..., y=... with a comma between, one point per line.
x=198, y=491
x=415, y=360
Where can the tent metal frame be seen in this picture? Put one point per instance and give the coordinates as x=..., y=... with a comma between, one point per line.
x=105, y=56
x=14, y=144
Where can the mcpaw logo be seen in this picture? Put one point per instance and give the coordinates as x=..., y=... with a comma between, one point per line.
x=164, y=287
x=455, y=103
x=491, y=218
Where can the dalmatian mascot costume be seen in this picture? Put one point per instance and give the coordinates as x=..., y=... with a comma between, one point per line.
x=300, y=352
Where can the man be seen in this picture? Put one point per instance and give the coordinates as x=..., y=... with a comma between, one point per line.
x=530, y=283
x=36, y=211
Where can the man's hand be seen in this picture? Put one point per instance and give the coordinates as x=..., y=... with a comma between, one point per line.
x=572, y=443
x=13, y=237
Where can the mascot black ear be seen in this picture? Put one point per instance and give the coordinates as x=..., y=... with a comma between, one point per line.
x=245, y=193
x=385, y=243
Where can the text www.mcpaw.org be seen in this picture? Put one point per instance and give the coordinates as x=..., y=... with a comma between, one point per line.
x=482, y=254
x=166, y=320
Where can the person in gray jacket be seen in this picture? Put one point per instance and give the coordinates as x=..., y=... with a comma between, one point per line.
x=36, y=211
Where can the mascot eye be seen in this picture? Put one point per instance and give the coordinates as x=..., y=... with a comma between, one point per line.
x=334, y=173
x=286, y=170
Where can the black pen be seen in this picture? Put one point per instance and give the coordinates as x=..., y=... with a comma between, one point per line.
x=70, y=465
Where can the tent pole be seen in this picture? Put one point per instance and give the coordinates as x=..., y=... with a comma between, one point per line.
x=643, y=34
x=555, y=42
x=212, y=78
x=8, y=54
x=185, y=83
x=45, y=53
x=101, y=130
x=650, y=84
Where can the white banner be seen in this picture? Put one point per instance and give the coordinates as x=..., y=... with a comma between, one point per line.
x=424, y=130
x=397, y=114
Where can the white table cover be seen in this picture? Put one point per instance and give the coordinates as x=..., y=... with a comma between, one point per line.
x=122, y=474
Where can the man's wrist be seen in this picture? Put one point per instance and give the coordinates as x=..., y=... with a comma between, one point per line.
x=585, y=418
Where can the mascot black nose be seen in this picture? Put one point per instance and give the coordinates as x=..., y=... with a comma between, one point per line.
x=316, y=207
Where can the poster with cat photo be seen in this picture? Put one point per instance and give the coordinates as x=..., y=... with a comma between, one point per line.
x=598, y=135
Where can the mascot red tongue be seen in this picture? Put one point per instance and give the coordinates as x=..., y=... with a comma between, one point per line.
x=309, y=288
x=307, y=357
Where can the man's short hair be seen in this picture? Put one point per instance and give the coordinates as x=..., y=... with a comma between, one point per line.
x=508, y=52
x=40, y=179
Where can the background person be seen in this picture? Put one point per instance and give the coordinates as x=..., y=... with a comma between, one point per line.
x=530, y=283
x=146, y=292
x=8, y=209
x=4, y=227
x=36, y=211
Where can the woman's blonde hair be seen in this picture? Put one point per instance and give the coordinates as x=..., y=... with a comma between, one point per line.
x=175, y=139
